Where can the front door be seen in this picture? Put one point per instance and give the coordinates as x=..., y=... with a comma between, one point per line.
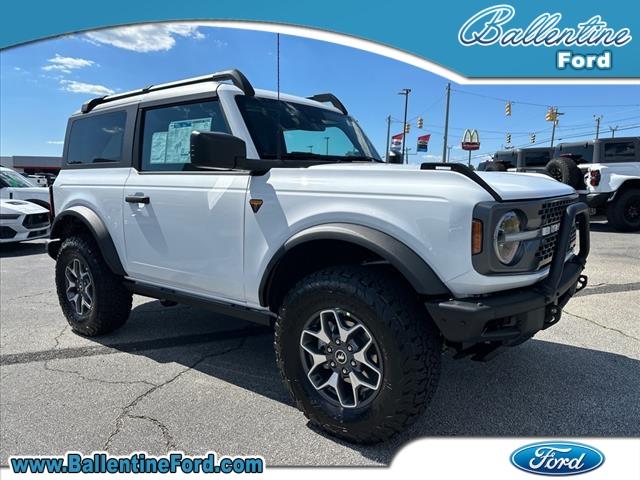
x=183, y=227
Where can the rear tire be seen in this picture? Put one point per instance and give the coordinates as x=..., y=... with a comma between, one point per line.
x=407, y=351
x=624, y=212
x=565, y=170
x=92, y=298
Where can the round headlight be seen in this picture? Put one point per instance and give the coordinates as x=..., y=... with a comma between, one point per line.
x=506, y=251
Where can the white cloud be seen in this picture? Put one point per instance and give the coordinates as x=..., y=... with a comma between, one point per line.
x=145, y=38
x=81, y=87
x=66, y=64
x=17, y=69
x=55, y=142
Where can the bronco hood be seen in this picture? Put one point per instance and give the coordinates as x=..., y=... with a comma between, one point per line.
x=518, y=186
x=510, y=186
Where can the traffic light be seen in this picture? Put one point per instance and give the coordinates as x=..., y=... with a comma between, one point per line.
x=407, y=127
x=508, y=138
x=552, y=115
x=420, y=122
x=507, y=109
x=532, y=136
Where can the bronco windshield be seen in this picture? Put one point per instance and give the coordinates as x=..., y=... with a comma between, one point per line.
x=294, y=131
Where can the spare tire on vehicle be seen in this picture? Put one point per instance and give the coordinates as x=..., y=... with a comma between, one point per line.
x=495, y=167
x=566, y=171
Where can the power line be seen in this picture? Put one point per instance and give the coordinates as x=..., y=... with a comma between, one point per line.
x=541, y=104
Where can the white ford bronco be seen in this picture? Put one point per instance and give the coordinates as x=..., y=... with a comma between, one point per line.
x=277, y=209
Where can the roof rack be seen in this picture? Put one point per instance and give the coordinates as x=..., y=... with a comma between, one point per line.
x=331, y=98
x=236, y=77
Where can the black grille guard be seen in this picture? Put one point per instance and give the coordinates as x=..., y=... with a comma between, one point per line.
x=579, y=213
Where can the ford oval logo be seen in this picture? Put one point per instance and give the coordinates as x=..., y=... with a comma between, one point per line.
x=557, y=458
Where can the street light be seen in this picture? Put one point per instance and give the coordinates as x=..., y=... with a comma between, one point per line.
x=405, y=92
x=327, y=145
x=613, y=130
x=310, y=147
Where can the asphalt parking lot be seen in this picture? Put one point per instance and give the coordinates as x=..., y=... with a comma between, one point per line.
x=179, y=378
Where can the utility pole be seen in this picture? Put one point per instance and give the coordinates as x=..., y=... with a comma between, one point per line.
x=448, y=158
x=405, y=92
x=613, y=131
x=598, y=118
x=555, y=123
x=327, y=149
x=386, y=153
x=446, y=124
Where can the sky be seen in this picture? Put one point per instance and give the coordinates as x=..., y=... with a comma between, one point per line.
x=42, y=83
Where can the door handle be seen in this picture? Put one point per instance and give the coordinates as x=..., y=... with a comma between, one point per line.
x=137, y=198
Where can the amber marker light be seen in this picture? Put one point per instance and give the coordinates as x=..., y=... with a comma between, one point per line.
x=476, y=236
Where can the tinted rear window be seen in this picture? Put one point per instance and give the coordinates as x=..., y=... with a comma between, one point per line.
x=97, y=139
x=536, y=159
x=619, y=152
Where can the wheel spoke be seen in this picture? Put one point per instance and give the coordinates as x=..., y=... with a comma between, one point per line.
x=357, y=382
x=316, y=359
x=77, y=304
x=361, y=357
x=70, y=276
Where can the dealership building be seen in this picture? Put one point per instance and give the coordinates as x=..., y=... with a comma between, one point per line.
x=32, y=164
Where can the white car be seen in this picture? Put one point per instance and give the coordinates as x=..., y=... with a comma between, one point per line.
x=15, y=186
x=20, y=220
x=277, y=209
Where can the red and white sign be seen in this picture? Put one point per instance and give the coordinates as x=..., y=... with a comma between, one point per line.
x=471, y=140
x=396, y=142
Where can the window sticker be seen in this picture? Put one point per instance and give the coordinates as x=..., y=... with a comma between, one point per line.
x=178, y=137
x=158, y=147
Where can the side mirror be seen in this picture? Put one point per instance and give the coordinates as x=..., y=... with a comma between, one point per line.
x=217, y=150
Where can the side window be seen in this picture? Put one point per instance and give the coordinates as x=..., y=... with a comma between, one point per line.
x=166, y=133
x=536, y=159
x=619, y=152
x=97, y=138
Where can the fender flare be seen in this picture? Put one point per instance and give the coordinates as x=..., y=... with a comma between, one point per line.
x=417, y=272
x=98, y=230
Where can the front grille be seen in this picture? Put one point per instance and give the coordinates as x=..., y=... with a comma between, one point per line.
x=550, y=214
x=36, y=220
x=7, y=232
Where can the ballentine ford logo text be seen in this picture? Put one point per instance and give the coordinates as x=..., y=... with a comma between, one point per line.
x=490, y=27
x=557, y=458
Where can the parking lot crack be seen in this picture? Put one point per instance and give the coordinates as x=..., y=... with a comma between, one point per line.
x=603, y=326
x=31, y=295
x=56, y=346
x=169, y=441
x=127, y=409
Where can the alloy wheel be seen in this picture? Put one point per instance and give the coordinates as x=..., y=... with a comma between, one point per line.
x=341, y=358
x=79, y=286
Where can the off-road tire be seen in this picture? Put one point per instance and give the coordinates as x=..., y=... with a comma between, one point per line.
x=410, y=345
x=623, y=213
x=111, y=303
x=565, y=170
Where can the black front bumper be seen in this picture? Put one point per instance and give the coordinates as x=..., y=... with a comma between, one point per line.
x=596, y=200
x=513, y=316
